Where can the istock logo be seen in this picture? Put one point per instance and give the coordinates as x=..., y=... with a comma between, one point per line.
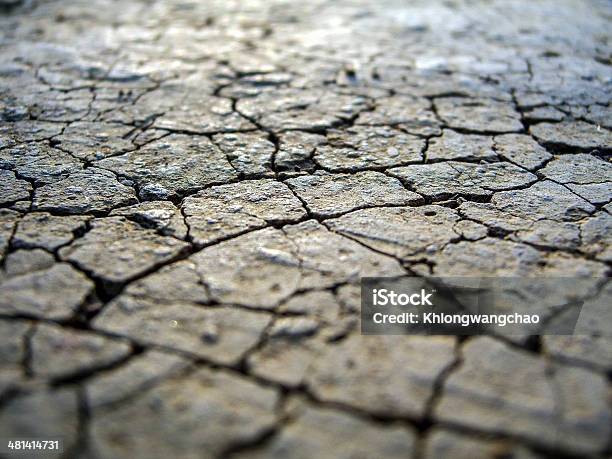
x=383, y=297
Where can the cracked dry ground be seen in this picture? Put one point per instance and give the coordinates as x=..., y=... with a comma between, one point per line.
x=191, y=191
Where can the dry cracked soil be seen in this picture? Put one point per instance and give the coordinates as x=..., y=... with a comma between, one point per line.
x=191, y=191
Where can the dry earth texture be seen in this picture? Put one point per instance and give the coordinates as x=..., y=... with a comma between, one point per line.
x=190, y=192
